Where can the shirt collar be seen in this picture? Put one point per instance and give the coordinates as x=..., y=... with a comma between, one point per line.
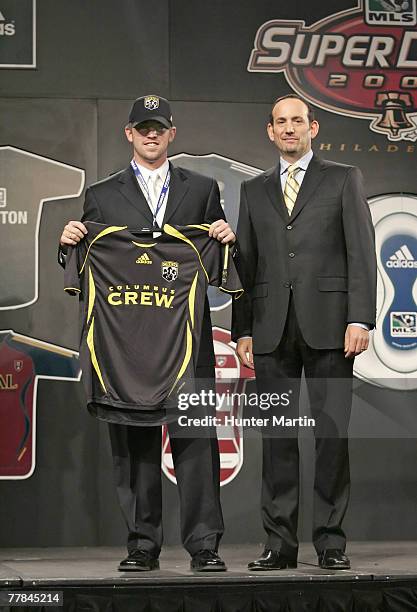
x=161, y=171
x=302, y=163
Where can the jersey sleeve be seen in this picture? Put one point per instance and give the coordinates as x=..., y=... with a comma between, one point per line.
x=72, y=284
x=217, y=260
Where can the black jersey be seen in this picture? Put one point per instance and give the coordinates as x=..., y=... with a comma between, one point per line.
x=142, y=309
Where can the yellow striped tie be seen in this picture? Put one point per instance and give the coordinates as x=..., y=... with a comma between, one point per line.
x=291, y=189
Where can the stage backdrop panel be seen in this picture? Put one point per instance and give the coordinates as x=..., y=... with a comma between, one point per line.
x=93, y=60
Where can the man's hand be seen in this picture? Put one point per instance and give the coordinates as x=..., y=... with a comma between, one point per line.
x=244, y=351
x=222, y=231
x=73, y=232
x=356, y=340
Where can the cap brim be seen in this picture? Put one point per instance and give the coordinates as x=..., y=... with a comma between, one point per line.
x=163, y=120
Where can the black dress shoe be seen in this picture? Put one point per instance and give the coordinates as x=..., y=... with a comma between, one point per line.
x=139, y=561
x=272, y=560
x=333, y=558
x=207, y=561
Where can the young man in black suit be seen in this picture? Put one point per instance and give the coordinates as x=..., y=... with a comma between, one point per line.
x=148, y=193
x=306, y=258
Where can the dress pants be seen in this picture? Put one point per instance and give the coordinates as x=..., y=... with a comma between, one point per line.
x=329, y=382
x=137, y=469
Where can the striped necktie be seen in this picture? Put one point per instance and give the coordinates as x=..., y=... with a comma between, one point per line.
x=154, y=189
x=291, y=189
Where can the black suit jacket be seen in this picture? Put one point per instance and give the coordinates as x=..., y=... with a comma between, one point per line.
x=324, y=252
x=192, y=198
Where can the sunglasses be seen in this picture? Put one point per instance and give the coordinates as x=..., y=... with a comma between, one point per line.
x=145, y=130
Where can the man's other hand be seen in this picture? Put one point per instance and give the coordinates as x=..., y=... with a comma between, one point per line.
x=244, y=351
x=73, y=232
x=222, y=231
x=356, y=340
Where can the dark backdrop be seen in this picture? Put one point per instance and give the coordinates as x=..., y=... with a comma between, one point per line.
x=93, y=59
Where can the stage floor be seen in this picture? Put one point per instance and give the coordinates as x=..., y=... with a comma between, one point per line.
x=371, y=561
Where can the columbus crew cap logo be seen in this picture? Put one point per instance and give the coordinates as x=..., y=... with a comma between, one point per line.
x=151, y=102
x=169, y=270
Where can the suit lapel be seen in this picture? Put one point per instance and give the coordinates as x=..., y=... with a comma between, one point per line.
x=274, y=190
x=178, y=187
x=311, y=181
x=130, y=189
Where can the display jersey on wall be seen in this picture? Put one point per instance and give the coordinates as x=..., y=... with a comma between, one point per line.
x=24, y=361
x=391, y=359
x=231, y=380
x=229, y=175
x=27, y=181
x=361, y=62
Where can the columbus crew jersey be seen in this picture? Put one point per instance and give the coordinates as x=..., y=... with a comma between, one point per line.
x=142, y=301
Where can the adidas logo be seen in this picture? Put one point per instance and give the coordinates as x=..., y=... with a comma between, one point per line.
x=403, y=258
x=144, y=259
x=6, y=29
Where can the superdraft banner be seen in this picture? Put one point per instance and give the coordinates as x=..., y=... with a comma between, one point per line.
x=360, y=62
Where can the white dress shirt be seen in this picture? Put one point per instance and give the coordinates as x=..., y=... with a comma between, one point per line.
x=159, y=175
x=302, y=164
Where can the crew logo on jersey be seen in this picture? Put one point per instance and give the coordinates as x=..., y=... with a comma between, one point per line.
x=231, y=378
x=391, y=359
x=18, y=365
x=169, y=270
x=140, y=295
x=360, y=62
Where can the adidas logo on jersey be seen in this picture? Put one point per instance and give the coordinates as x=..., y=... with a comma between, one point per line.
x=144, y=259
x=403, y=258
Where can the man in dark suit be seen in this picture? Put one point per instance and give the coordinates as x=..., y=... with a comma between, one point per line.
x=148, y=193
x=306, y=258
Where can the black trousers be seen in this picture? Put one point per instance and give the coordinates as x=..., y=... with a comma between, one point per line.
x=329, y=381
x=137, y=469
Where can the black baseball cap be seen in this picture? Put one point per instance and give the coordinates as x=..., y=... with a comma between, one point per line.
x=151, y=108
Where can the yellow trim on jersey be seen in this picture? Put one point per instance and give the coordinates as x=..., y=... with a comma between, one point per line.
x=191, y=299
x=226, y=260
x=72, y=289
x=239, y=291
x=171, y=231
x=91, y=293
x=108, y=230
x=144, y=245
x=90, y=343
x=203, y=226
x=187, y=357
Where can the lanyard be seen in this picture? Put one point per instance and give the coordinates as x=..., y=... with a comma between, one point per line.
x=145, y=190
